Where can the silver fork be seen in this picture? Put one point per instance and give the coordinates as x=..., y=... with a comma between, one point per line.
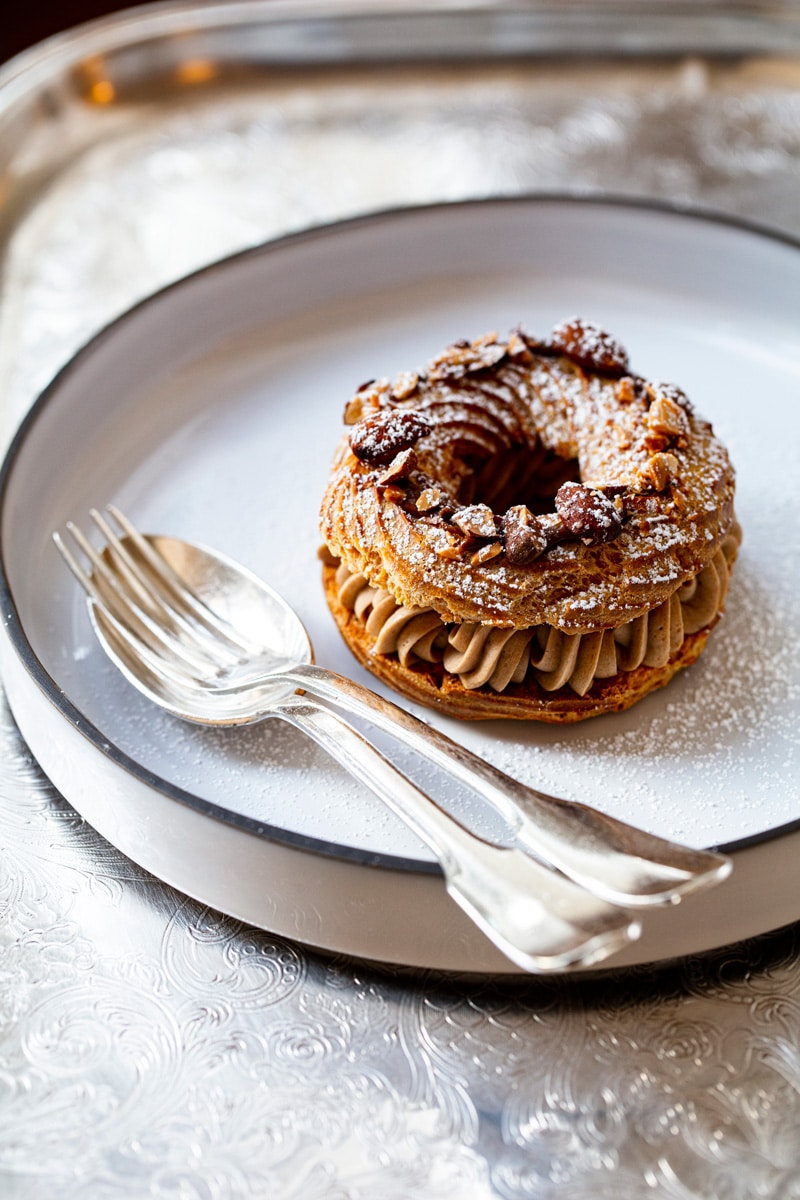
x=203, y=638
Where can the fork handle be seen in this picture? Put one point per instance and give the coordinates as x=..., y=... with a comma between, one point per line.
x=616, y=861
x=539, y=919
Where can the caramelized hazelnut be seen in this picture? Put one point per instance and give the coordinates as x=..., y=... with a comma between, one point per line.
x=378, y=438
x=588, y=514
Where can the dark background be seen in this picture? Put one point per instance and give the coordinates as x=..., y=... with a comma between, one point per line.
x=28, y=21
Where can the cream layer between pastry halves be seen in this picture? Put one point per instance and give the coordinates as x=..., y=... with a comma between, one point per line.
x=486, y=655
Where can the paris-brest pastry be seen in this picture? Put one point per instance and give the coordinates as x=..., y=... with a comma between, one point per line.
x=527, y=528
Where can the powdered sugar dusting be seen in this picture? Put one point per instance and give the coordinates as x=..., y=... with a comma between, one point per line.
x=625, y=551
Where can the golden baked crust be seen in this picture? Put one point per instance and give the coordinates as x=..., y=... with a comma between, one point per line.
x=528, y=484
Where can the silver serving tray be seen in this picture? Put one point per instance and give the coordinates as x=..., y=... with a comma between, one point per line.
x=146, y=1039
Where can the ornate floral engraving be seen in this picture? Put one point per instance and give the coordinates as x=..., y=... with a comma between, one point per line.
x=149, y=1046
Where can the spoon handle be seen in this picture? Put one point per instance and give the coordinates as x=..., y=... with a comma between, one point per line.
x=608, y=857
x=539, y=919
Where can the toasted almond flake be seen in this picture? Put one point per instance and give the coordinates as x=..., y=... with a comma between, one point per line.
x=429, y=498
x=477, y=520
x=405, y=385
x=658, y=470
x=486, y=554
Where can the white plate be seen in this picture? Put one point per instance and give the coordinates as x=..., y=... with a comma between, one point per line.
x=211, y=412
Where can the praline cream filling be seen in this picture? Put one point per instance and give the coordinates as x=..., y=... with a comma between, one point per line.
x=487, y=655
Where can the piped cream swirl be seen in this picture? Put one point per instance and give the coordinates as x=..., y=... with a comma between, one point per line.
x=488, y=655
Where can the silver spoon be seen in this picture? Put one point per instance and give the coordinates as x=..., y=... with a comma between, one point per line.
x=171, y=650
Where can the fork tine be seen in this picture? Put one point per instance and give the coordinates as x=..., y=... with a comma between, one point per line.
x=149, y=591
x=84, y=579
x=161, y=667
x=176, y=586
x=106, y=592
